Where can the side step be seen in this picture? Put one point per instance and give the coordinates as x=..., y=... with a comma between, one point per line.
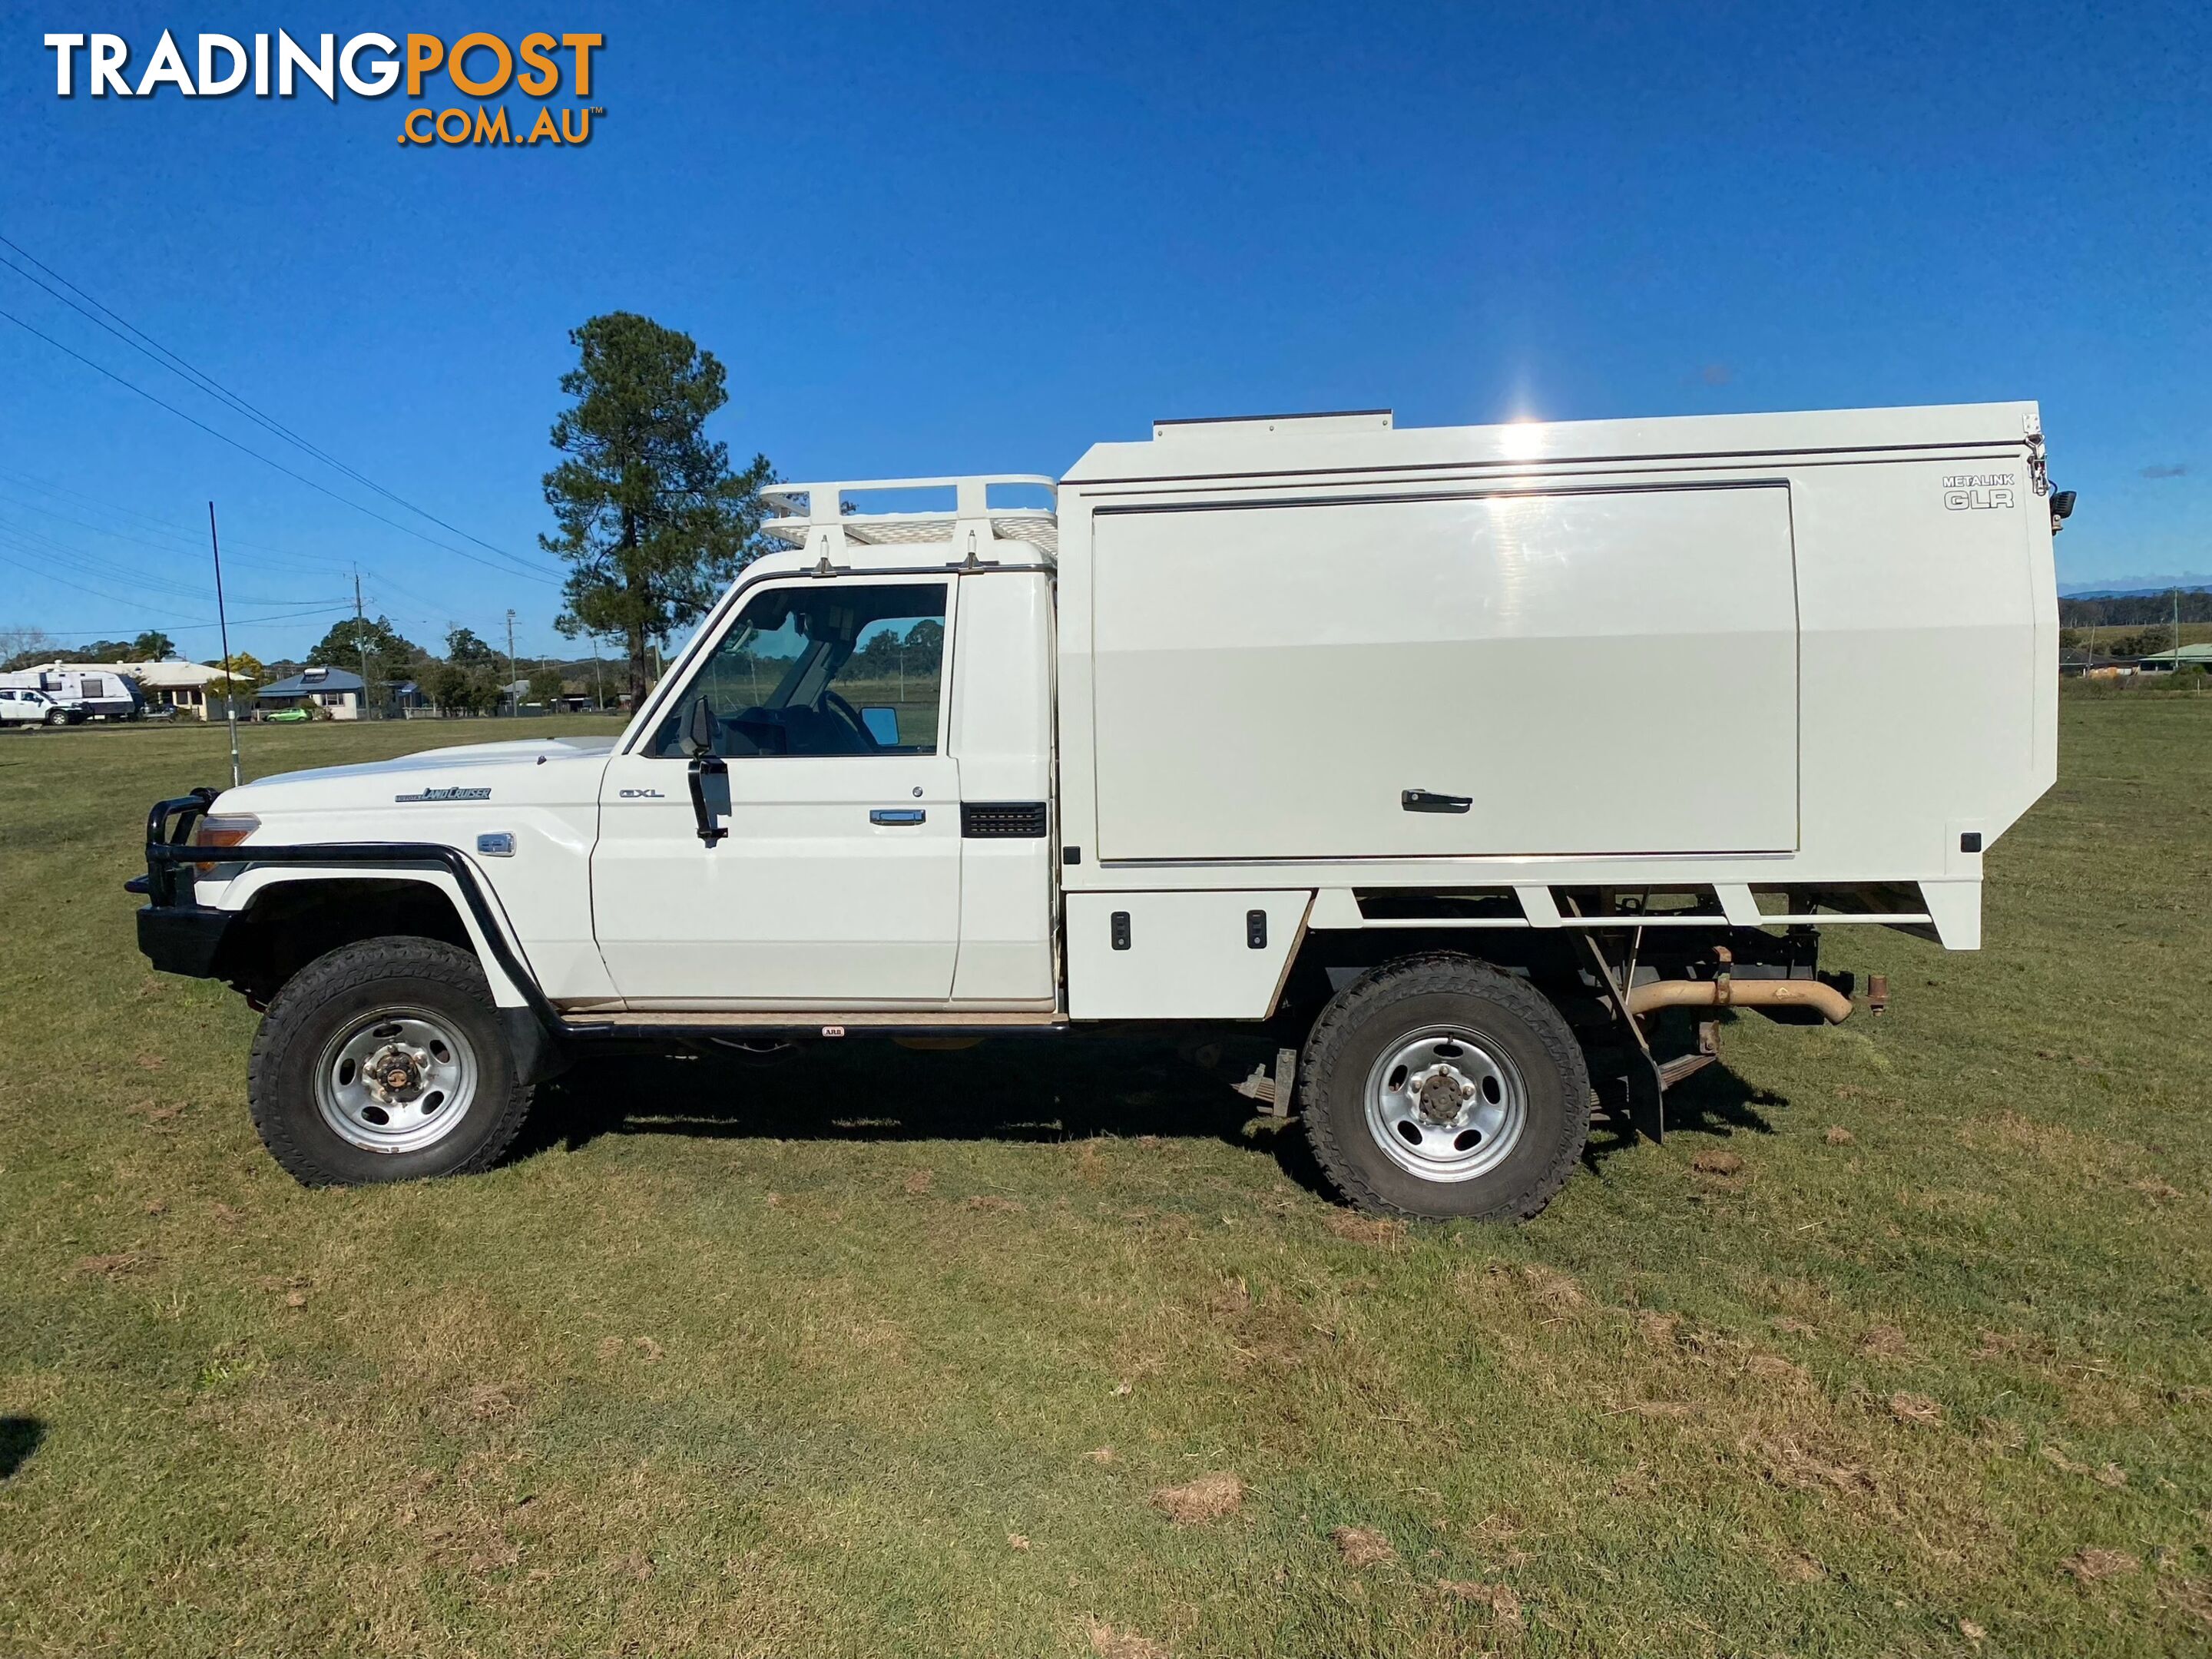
x=1273, y=1090
x=1708, y=1050
x=795, y=1023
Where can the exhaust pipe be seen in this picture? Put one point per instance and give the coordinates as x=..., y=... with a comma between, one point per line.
x=1728, y=992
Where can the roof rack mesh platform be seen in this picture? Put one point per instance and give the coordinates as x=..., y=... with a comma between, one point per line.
x=804, y=509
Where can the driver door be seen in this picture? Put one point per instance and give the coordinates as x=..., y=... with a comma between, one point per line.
x=838, y=885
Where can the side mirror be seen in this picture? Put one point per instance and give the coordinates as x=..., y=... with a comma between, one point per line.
x=882, y=723
x=699, y=738
x=699, y=728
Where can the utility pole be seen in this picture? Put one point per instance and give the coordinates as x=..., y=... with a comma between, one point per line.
x=514, y=698
x=361, y=640
x=2177, y=629
x=599, y=684
x=229, y=671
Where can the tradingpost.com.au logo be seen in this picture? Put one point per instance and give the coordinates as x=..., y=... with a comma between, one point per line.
x=366, y=66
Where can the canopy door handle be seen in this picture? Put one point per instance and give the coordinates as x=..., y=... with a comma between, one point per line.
x=897, y=815
x=1427, y=800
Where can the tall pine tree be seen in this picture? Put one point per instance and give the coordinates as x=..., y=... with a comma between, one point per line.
x=651, y=519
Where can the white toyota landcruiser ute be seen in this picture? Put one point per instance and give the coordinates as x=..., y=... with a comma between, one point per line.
x=1437, y=761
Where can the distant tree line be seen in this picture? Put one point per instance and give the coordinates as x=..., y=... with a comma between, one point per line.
x=2134, y=610
x=27, y=648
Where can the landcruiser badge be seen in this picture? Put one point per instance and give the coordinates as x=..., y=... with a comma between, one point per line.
x=448, y=794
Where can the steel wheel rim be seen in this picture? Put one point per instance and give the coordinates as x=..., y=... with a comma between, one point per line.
x=396, y=1080
x=1445, y=1105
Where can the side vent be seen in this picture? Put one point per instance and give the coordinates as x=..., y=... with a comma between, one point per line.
x=982, y=820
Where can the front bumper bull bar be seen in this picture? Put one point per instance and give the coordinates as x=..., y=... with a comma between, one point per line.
x=181, y=936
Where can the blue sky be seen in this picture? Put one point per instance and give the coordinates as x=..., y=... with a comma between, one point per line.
x=946, y=239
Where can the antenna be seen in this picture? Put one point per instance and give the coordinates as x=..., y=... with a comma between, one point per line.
x=360, y=643
x=230, y=669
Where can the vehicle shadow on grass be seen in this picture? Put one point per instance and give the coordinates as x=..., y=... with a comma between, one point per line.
x=1044, y=1091
x=19, y=1438
x=1041, y=1090
x=1714, y=1103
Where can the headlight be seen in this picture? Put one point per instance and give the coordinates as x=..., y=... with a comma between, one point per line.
x=225, y=831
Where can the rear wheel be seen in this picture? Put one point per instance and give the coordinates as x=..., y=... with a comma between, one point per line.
x=384, y=1062
x=1438, y=1087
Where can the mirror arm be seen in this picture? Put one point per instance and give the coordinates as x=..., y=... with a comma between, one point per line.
x=702, y=766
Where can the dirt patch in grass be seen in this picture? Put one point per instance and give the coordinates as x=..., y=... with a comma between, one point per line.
x=2011, y=1133
x=1374, y=1230
x=1551, y=1290
x=1108, y=1643
x=2093, y=1564
x=2192, y=1597
x=1773, y=1367
x=1211, y=1497
x=1717, y=1161
x=1788, y=1462
x=1361, y=1546
x=1502, y=1600
x=1918, y=1409
x=1884, y=1342
x=115, y=1265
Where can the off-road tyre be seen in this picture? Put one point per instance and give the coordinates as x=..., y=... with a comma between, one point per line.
x=1413, y=994
x=338, y=989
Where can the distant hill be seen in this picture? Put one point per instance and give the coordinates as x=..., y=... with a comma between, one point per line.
x=2135, y=587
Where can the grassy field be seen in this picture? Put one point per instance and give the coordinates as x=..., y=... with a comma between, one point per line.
x=1899, y=1346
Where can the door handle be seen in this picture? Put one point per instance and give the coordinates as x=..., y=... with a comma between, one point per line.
x=897, y=815
x=1427, y=800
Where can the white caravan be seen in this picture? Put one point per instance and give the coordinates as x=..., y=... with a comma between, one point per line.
x=82, y=694
x=1436, y=761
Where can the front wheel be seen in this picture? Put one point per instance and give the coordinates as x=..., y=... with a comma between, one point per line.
x=384, y=1062
x=1439, y=1088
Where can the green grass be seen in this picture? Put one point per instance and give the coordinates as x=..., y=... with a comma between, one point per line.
x=779, y=1358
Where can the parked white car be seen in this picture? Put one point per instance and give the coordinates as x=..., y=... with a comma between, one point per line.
x=23, y=707
x=1434, y=761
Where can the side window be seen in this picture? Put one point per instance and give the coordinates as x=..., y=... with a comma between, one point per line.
x=844, y=668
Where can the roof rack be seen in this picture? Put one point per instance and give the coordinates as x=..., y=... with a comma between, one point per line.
x=818, y=515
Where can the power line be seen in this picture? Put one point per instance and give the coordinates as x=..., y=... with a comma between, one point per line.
x=98, y=368
x=184, y=533
x=278, y=560
x=166, y=617
x=163, y=356
x=27, y=540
